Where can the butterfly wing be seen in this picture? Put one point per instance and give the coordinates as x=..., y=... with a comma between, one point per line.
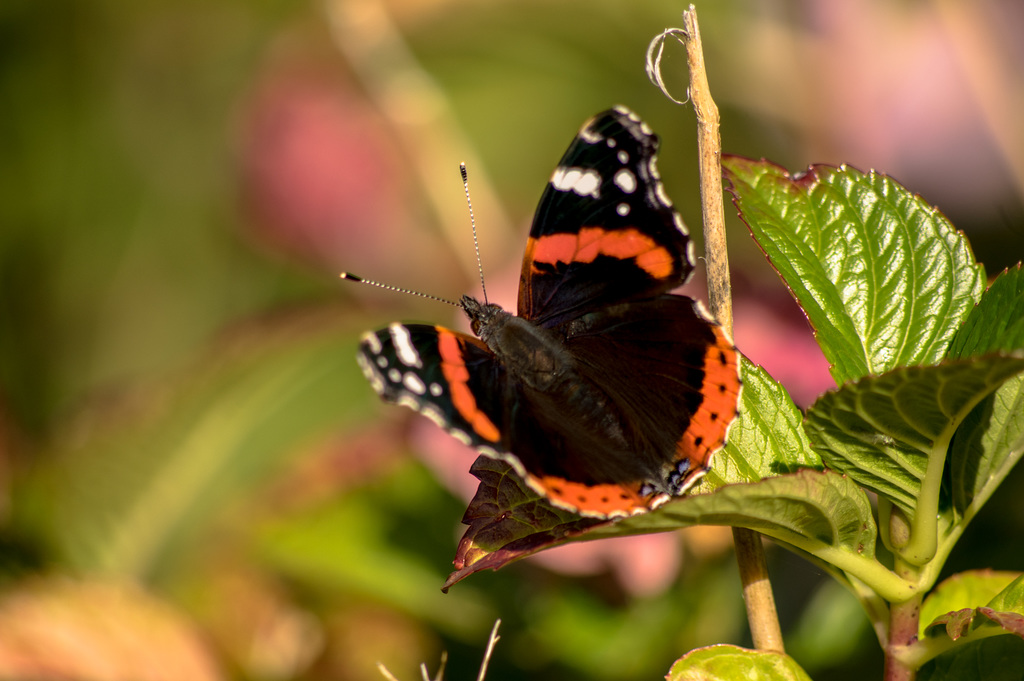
x=674, y=383
x=449, y=377
x=653, y=395
x=456, y=382
x=604, y=231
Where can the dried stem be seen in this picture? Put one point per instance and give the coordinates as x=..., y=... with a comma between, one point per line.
x=757, y=591
x=491, y=642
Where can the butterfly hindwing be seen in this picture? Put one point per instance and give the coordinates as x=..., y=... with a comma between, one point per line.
x=680, y=411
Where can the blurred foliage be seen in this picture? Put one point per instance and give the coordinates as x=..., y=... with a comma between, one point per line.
x=184, y=432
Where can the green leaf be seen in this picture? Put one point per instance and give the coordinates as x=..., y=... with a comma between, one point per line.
x=997, y=322
x=820, y=512
x=126, y=500
x=814, y=510
x=810, y=509
x=890, y=433
x=1011, y=598
x=987, y=447
x=968, y=590
x=884, y=278
x=991, y=441
x=953, y=623
x=991, y=659
x=728, y=663
x=1006, y=610
x=767, y=437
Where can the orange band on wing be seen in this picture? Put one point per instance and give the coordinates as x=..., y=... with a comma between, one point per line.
x=721, y=388
x=591, y=242
x=595, y=501
x=453, y=366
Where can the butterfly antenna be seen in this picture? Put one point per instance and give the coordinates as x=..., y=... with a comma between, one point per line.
x=472, y=222
x=387, y=287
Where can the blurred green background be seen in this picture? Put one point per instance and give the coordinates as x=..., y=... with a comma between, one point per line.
x=196, y=480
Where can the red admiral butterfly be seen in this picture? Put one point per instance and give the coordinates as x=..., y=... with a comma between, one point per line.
x=606, y=394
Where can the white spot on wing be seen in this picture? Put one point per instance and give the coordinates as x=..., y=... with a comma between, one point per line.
x=394, y=375
x=627, y=113
x=590, y=136
x=371, y=374
x=382, y=362
x=657, y=501
x=517, y=466
x=489, y=452
x=407, y=352
x=583, y=181
x=622, y=209
x=436, y=389
x=625, y=180
x=408, y=401
x=659, y=191
x=414, y=383
x=434, y=414
x=652, y=168
x=373, y=343
x=623, y=156
x=364, y=364
x=680, y=225
x=460, y=435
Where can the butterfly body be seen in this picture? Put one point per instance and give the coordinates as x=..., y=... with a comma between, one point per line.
x=606, y=393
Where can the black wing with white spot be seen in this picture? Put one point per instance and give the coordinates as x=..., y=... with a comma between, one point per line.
x=449, y=377
x=605, y=231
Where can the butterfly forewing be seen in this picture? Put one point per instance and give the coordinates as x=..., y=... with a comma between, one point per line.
x=604, y=231
x=449, y=377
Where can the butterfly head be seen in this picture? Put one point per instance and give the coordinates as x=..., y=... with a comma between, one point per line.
x=483, y=317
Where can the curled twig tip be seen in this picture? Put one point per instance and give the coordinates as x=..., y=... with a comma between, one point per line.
x=655, y=51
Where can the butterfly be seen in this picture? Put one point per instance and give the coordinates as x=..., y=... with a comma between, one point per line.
x=605, y=393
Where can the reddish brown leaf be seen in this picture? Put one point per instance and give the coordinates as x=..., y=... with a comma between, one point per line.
x=508, y=521
x=957, y=622
x=1010, y=621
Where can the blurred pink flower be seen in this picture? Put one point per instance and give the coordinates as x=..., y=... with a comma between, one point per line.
x=320, y=175
x=924, y=92
x=784, y=347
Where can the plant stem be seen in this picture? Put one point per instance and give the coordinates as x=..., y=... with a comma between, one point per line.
x=757, y=589
x=904, y=619
x=709, y=150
